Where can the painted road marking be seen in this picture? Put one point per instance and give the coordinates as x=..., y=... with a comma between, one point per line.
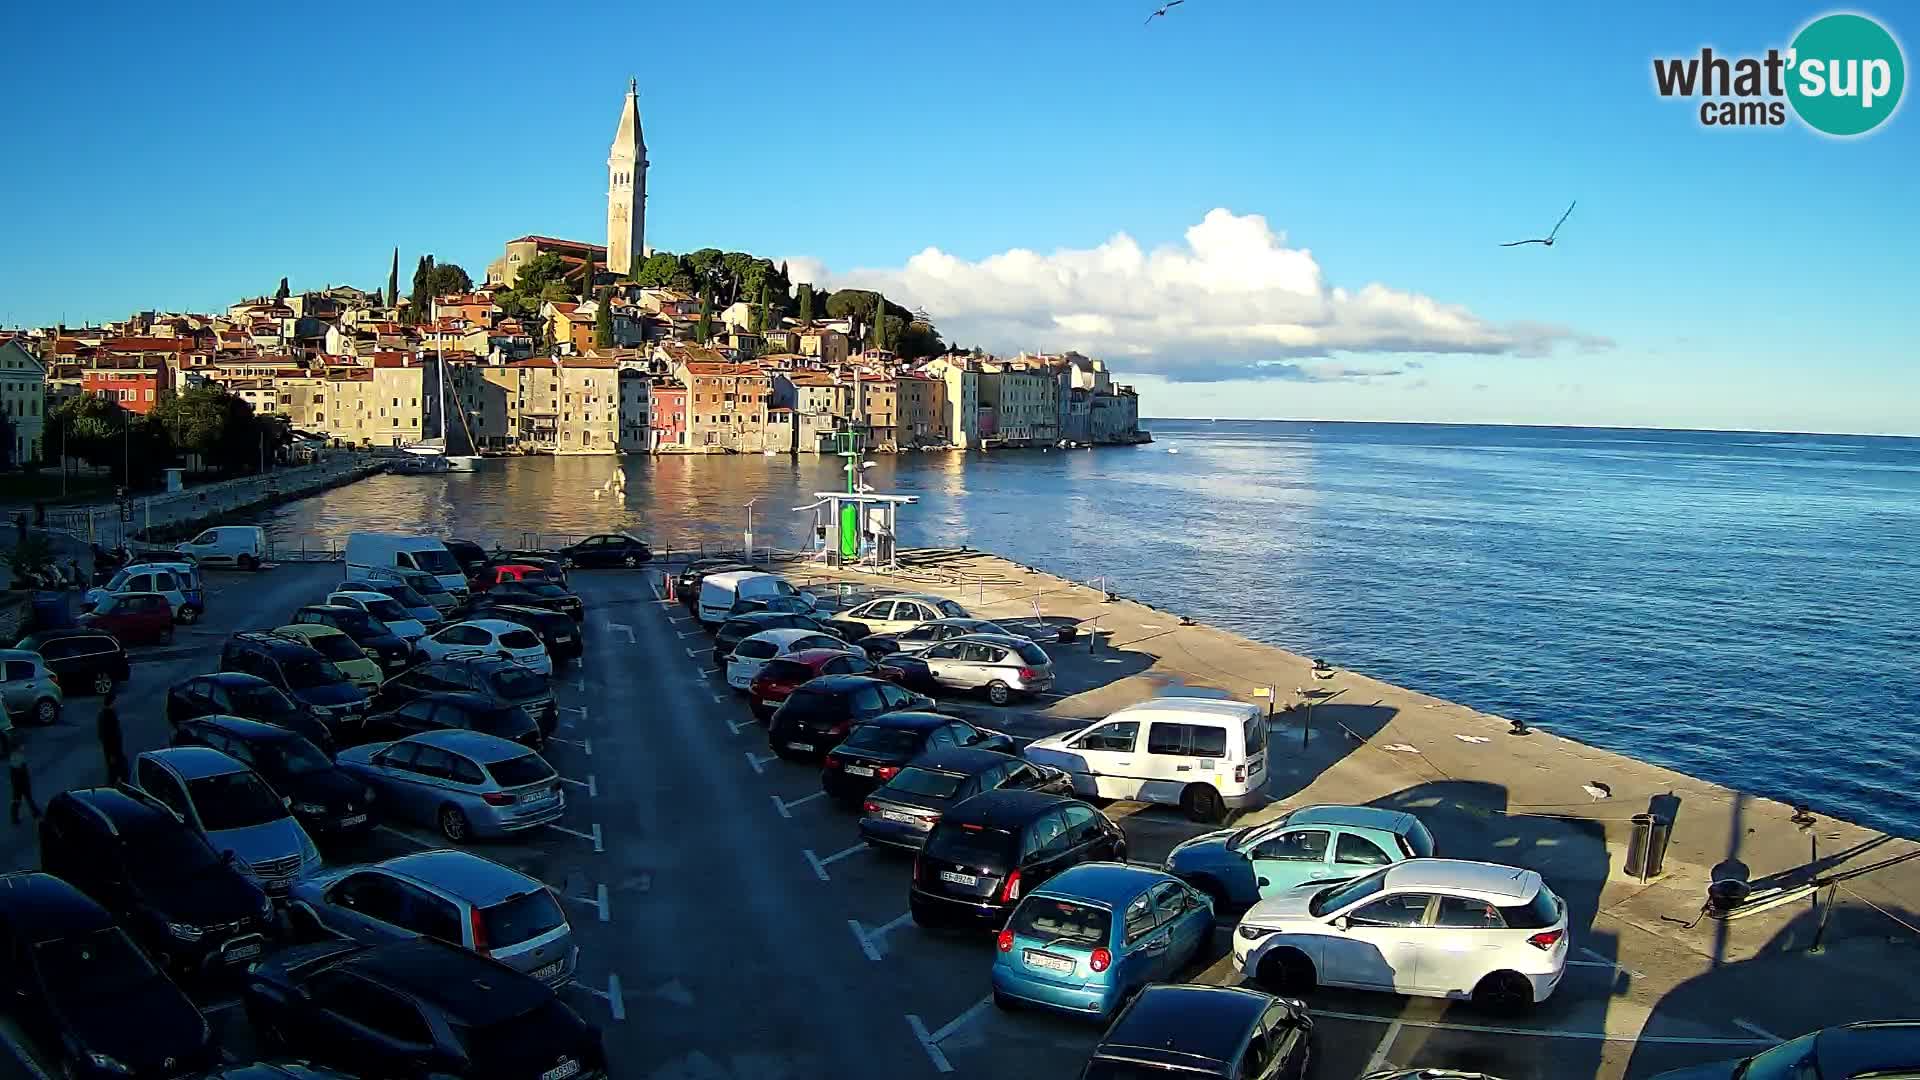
x=407, y=836
x=718, y=700
x=691, y=633
x=623, y=628
x=1756, y=1029
x=1604, y=962
x=598, y=901
x=760, y=763
x=820, y=865
x=784, y=807
x=873, y=942
x=592, y=786
x=866, y=944
x=939, y=1059
x=593, y=836
x=1379, y=1060
x=581, y=709
x=694, y=654
x=584, y=744
x=710, y=671
x=1544, y=1033
x=580, y=684
x=734, y=726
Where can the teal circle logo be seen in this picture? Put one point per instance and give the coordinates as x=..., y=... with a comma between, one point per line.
x=1847, y=74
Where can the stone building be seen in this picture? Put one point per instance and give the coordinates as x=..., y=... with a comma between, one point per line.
x=635, y=421
x=923, y=411
x=23, y=398
x=726, y=405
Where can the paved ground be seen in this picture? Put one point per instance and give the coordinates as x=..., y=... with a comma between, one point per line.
x=732, y=927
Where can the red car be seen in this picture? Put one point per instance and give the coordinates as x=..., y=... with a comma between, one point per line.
x=782, y=676
x=494, y=575
x=141, y=618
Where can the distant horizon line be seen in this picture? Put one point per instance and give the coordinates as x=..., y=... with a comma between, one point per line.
x=1548, y=427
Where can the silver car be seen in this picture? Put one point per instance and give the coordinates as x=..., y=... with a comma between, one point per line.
x=28, y=690
x=234, y=809
x=928, y=634
x=455, y=896
x=467, y=784
x=999, y=664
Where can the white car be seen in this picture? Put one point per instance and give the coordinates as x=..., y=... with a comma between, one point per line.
x=896, y=614
x=755, y=650
x=177, y=581
x=1443, y=928
x=386, y=609
x=487, y=637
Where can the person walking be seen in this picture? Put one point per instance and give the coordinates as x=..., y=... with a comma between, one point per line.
x=112, y=748
x=21, y=783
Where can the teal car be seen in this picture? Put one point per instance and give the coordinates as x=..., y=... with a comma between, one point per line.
x=1092, y=936
x=1240, y=867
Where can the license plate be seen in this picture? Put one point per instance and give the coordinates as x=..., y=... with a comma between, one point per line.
x=1048, y=962
x=961, y=879
x=357, y=819
x=243, y=952
x=547, y=972
x=561, y=1071
x=277, y=886
x=800, y=746
x=914, y=820
x=769, y=703
x=859, y=770
x=562, y=639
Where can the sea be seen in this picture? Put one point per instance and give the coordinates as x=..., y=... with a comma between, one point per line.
x=1742, y=607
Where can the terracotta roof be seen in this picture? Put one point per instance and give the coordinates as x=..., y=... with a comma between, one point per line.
x=554, y=241
x=147, y=344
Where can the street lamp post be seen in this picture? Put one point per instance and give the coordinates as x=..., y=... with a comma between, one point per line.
x=749, y=534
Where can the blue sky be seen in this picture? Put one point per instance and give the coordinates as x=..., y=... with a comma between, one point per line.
x=1752, y=278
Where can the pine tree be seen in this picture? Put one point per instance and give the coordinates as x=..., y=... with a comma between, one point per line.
x=703, y=329
x=806, y=303
x=603, y=320
x=587, y=274
x=393, y=280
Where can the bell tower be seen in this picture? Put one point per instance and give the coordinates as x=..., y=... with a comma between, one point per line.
x=627, y=189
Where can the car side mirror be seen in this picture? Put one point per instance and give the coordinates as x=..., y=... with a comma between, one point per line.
x=1341, y=923
x=286, y=801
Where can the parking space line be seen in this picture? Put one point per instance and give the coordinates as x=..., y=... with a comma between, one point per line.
x=690, y=633
x=407, y=836
x=615, y=999
x=866, y=943
x=584, y=744
x=1544, y=1033
x=1601, y=961
x=220, y=1006
x=820, y=864
x=759, y=763
x=710, y=671
x=1379, y=1059
x=593, y=836
x=574, y=708
x=580, y=684
x=718, y=700
x=588, y=783
x=939, y=1059
x=784, y=806
x=694, y=654
x=1756, y=1029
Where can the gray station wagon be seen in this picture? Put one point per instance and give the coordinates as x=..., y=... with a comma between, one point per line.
x=467, y=784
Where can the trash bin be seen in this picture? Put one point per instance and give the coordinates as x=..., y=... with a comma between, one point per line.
x=1647, y=847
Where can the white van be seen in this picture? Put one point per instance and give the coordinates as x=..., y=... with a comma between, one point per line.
x=177, y=581
x=1204, y=755
x=244, y=546
x=368, y=553
x=719, y=592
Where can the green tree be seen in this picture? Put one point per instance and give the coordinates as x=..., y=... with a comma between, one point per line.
x=917, y=339
x=603, y=321
x=703, y=330
x=393, y=280
x=699, y=265
x=587, y=274
x=761, y=318
x=658, y=271
x=282, y=292
x=448, y=279
x=216, y=425
x=806, y=302
x=421, y=308
x=879, y=322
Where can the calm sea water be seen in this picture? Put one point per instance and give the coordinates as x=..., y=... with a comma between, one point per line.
x=1741, y=607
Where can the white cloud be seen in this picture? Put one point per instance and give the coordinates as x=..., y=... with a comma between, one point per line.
x=1233, y=301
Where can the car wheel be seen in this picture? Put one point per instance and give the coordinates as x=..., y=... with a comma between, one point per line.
x=1504, y=992
x=188, y=615
x=1286, y=971
x=248, y=562
x=454, y=825
x=1203, y=804
x=631, y=561
x=46, y=711
x=999, y=693
x=102, y=682
x=166, y=636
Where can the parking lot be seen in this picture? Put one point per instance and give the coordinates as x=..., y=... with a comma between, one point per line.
x=732, y=926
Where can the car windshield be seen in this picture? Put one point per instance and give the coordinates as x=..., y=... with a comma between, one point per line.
x=405, y=596
x=1031, y=653
x=425, y=585
x=520, y=639
x=170, y=852
x=506, y=723
x=307, y=672
x=521, y=918
x=521, y=771
x=387, y=608
x=805, y=703
x=917, y=781
x=101, y=963
x=435, y=561
x=515, y=685
x=354, y=621
x=234, y=801
x=876, y=739
x=1340, y=896
x=971, y=845
x=546, y=589
x=335, y=647
x=789, y=671
x=260, y=701
x=950, y=610
x=755, y=649
x=290, y=757
x=1788, y=1061
x=1063, y=921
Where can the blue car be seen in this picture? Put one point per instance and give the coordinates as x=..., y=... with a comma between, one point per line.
x=1241, y=867
x=1086, y=941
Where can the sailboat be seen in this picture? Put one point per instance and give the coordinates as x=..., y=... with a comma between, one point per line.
x=437, y=447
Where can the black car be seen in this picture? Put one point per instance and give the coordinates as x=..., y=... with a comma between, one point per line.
x=83, y=659
x=607, y=550
x=547, y=562
x=180, y=899
x=85, y=995
x=261, y=1070
x=471, y=556
x=873, y=752
x=687, y=585
x=326, y=800
x=563, y=637
x=416, y=1009
x=741, y=627
x=467, y=711
x=987, y=850
x=1193, y=1030
x=1869, y=1048
x=540, y=594
x=506, y=682
x=365, y=630
x=818, y=714
x=233, y=693
x=901, y=812
x=298, y=670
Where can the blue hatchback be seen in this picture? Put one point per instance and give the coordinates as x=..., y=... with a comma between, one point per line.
x=1092, y=936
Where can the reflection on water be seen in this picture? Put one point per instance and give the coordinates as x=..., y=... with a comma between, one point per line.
x=1735, y=606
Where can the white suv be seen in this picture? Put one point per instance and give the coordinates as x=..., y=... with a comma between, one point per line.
x=1426, y=927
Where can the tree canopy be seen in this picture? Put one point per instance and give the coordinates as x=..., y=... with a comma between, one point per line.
x=603, y=321
x=659, y=271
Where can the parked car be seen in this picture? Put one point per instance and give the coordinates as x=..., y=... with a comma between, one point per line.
x=781, y=676
x=786, y=605
x=186, y=905
x=416, y=1010
x=451, y=896
x=1001, y=667
x=540, y=594
x=548, y=563
x=738, y=629
x=136, y=618
x=285, y=1070
x=992, y=849
x=1858, y=1051
x=487, y=637
x=83, y=993
x=817, y=715
x=902, y=811
x=233, y=693
x=456, y=712
x=1425, y=927
x=234, y=809
x=563, y=637
x=875, y=752
x=324, y=799
x=1096, y=934
x=415, y=604
x=687, y=586
x=244, y=546
x=391, y=613
x=497, y=573
x=465, y=783
x=928, y=634
x=608, y=549
x=1204, y=755
x=719, y=592
x=897, y=614
x=471, y=555
x=369, y=553
x=179, y=582
x=365, y=630
x=426, y=586
x=1240, y=867
x=504, y=681
x=29, y=690
x=1210, y=1031
x=340, y=650
x=298, y=670
x=754, y=650
x=83, y=659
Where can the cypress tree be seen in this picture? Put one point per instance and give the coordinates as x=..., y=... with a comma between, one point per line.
x=806, y=303
x=879, y=321
x=393, y=280
x=587, y=274
x=603, y=321
x=703, y=329
x=282, y=292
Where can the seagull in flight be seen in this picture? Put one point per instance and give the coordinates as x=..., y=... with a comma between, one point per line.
x=1171, y=4
x=1556, y=229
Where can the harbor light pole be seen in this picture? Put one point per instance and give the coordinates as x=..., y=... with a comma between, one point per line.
x=749, y=533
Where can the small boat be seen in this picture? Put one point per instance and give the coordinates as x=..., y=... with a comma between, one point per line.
x=1173, y=449
x=461, y=462
x=770, y=453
